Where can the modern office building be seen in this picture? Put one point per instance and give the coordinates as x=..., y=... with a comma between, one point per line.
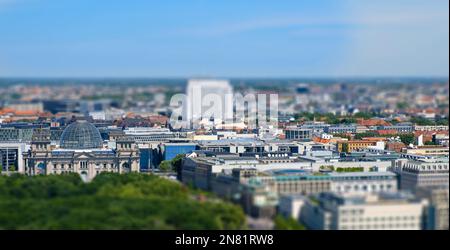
x=290, y=205
x=285, y=182
x=282, y=168
x=297, y=133
x=437, y=212
x=286, y=188
x=16, y=133
x=427, y=150
x=368, y=155
x=201, y=170
x=364, y=182
x=235, y=146
x=252, y=145
x=149, y=157
x=403, y=128
x=341, y=129
x=171, y=150
x=431, y=128
x=11, y=156
x=257, y=201
x=422, y=173
x=382, y=211
x=147, y=135
x=315, y=127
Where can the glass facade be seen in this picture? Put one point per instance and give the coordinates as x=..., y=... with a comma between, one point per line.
x=16, y=134
x=149, y=159
x=171, y=151
x=81, y=135
x=298, y=134
x=8, y=157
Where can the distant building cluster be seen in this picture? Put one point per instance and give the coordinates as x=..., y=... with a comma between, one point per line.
x=386, y=171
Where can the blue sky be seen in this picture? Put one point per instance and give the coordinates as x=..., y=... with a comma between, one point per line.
x=228, y=38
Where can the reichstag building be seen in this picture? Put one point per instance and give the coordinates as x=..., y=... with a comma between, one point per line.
x=80, y=151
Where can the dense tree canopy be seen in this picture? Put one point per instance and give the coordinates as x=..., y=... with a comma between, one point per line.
x=110, y=201
x=429, y=122
x=331, y=118
x=407, y=138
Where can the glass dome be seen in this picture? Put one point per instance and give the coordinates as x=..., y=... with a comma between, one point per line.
x=81, y=135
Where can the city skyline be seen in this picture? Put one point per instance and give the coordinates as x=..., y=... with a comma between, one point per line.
x=44, y=38
x=251, y=117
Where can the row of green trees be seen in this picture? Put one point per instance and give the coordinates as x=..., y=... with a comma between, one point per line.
x=342, y=170
x=405, y=138
x=429, y=122
x=110, y=201
x=173, y=165
x=349, y=170
x=331, y=118
x=337, y=119
x=283, y=223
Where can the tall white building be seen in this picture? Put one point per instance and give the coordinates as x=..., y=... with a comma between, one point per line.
x=208, y=100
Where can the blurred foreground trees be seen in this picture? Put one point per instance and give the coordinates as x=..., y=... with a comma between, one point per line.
x=282, y=223
x=110, y=201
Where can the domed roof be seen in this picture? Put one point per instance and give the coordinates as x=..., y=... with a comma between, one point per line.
x=81, y=135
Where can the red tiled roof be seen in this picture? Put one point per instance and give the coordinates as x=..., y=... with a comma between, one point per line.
x=387, y=132
x=320, y=140
x=26, y=112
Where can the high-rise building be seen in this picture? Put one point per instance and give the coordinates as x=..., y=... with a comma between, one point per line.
x=208, y=99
